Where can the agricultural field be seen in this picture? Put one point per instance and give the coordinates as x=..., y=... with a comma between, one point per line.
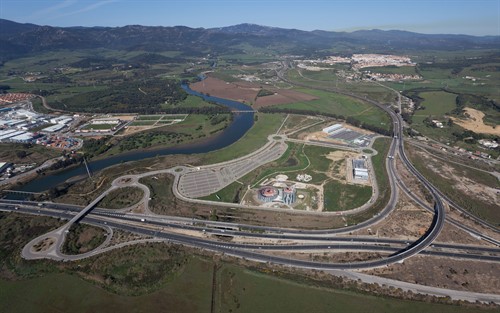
x=341, y=105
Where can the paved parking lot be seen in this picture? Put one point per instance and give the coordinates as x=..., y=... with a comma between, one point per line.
x=352, y=137
x=210, y=179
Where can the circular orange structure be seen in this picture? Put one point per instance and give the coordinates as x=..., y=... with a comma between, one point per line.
x=268, y=192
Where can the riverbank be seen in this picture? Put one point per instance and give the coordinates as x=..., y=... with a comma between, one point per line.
x=240, y=124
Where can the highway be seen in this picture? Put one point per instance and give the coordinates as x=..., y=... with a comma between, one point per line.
x=395, y=251
x=396, y=147
x=161, y=231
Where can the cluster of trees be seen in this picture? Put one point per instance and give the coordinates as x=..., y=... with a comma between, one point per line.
x=217, y=119
x=67, y=161
x=95, y=63
x=201, y=110
x=4, y=88
x=93, y=147
x=135, y=97
x=464, y=100
x=154, y=58
x=472, y=137
x=145, y=140
x=459, y=63
x=350, y=120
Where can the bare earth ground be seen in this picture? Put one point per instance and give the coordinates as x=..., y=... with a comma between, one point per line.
x=247, y=92
x=296, y=122
x=467, y=186
x=321, y=136
x=445, y=273
x=406, y=222
x=412, y=183
x=340, y=157
x=331, y=257
x=120, y=236
x=475, y=123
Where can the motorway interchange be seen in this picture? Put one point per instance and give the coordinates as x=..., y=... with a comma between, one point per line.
x=203, y=234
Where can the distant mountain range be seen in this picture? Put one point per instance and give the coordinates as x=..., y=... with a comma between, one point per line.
x=18, y=39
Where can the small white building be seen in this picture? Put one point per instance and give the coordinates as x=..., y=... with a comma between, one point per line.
x=437, y=123
x=488, y=144
x=113, y=121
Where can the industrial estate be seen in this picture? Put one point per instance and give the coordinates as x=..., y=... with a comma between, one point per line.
x=348, y=170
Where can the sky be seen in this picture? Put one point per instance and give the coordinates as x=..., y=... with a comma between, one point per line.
x=472, y=17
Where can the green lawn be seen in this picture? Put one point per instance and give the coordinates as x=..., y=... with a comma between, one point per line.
x=341, y=196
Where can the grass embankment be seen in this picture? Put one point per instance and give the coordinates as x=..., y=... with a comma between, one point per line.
x=378, y=162
x=256, y=137
x=83, y=238
x=450, y=180
x=121, y=198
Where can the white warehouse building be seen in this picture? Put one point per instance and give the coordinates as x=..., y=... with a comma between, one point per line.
x=359, y=169
x=332, y=128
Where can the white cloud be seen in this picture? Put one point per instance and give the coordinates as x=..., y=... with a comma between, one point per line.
x=88, y=8
x=51, y=9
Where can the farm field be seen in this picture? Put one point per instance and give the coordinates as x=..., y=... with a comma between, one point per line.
x=190, y=290
x=333, y=103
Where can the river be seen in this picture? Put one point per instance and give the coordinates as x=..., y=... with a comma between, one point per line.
x=241, y=123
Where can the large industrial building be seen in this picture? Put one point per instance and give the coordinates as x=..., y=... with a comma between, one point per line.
x=332, y=129
x=359, y=169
